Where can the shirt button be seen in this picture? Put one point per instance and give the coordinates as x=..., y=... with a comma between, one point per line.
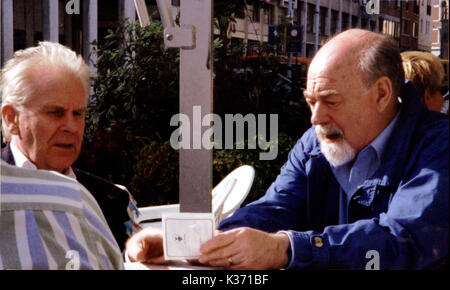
x=318, y=242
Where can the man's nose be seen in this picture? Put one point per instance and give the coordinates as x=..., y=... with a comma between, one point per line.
x=69, y=123
x=319, y=114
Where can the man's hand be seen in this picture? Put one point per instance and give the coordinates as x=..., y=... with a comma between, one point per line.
x=246, y=248
x=146, y=246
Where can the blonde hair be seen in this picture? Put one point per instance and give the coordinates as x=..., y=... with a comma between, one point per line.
x=424, y=69
x=15, y=79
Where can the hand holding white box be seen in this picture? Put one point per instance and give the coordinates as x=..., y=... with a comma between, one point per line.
x=184, y=233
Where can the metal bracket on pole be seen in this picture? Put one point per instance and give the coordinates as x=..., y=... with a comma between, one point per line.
x=174, y=37
x=180, y=37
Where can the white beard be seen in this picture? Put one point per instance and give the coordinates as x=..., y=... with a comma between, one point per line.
x=337, y=153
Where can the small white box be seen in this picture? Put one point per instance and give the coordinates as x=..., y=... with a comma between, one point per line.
x=184, y=233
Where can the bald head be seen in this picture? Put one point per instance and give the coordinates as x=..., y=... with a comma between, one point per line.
x=365, y=53
x=345, y=47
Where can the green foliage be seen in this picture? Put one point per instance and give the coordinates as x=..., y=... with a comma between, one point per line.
x=136, y=87
x=128, y=119
x=266, y=172
x=156, y=173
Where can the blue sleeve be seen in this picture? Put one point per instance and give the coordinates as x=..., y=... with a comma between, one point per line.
x=412, y=234
x=284, y=204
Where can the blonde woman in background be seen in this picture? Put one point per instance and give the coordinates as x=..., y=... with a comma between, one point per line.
x=425, y=70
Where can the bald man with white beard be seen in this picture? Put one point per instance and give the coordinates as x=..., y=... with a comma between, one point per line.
x=370, y=176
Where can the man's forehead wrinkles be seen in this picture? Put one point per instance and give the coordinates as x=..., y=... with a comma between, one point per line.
x=321, y=86
x=320, y=94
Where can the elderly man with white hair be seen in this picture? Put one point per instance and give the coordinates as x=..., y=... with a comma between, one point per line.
x=44, y=94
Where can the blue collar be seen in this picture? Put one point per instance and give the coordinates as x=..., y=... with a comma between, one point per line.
x=352, y=174
x=380, y=142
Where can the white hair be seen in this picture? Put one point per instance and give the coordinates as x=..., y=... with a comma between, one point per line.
x=16, y=74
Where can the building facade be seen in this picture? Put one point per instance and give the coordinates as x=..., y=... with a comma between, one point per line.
x=334, y=16
x=401, y=21
x=425, y=25
x=440, y=15
x=77, y=23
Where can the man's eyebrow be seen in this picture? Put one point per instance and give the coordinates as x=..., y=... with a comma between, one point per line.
x=81, y=109
x=321, y=94
x=56, y=107
x=52, y=107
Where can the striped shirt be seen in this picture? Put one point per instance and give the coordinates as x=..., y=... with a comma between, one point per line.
x=50, y=221
x=133, y=212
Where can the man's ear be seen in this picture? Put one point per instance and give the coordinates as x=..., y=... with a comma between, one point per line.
x=426, y=98
x=11, y=119
x=383, y=97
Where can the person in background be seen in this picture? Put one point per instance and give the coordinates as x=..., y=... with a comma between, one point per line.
x=49, y=221
x=44, y=97
x=425, y=71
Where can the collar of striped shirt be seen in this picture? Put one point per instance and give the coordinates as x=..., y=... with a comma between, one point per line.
x=23, y=162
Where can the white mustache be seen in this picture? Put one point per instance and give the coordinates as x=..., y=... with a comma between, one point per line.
x=330, y=129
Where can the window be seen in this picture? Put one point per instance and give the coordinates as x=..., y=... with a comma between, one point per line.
x=282, y=14
x=421, y=26
x=405, y=27
x=427, y=27
x=323, y=19
x=271, y=15
x=391, y=28
x=310, y=19
x=240, y=14
x=334, y=20
x=364, y=23
x=310, y=50
x=354, y=21
x=416, y=7
x=255, y=14
x=397, y=29
x=266, y=16
x=415, y=29
x=444, y=11
x=345, y=21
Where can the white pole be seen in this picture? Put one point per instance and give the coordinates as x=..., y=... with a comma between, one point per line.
x=50, y=26
x=90, y=24
x=196, y=89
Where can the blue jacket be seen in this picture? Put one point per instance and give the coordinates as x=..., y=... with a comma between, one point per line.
x=398, y=218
